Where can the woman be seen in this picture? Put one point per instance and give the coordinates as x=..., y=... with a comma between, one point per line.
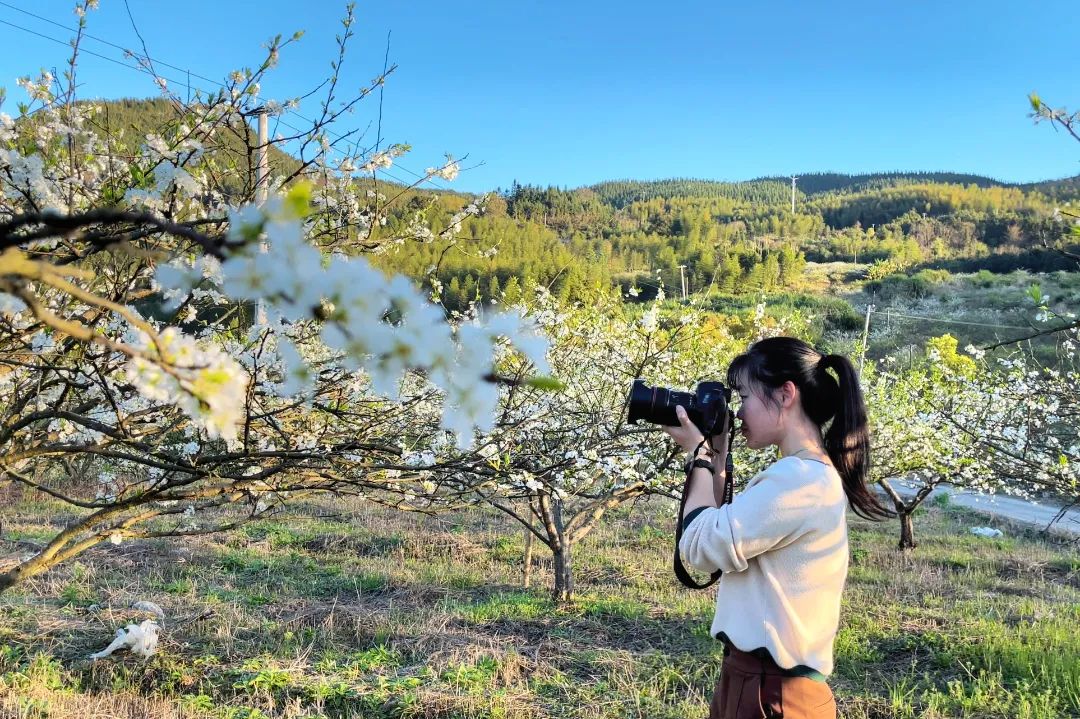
x=782, y=541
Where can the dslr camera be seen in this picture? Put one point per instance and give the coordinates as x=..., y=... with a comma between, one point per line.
x=707, y=406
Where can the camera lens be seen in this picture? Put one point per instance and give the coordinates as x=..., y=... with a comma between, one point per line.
x=643, y=399
x=656, y=405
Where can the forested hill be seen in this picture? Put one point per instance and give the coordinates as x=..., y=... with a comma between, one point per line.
x=777, y=190
x=1063, y=190
x=736, y=237
x=129, y=120
x=620, y=193
x=818, y=182
x=744, y=237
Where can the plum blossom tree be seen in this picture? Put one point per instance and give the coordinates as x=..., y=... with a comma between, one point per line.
x=911, y=410
x=557, y=463
x=1006, y=424
x=142, y=388
x=1024, y=421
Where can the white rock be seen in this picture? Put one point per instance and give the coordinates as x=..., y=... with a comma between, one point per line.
x=986, y=532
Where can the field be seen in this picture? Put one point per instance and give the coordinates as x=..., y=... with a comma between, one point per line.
x=351, y=611
x=978, y=308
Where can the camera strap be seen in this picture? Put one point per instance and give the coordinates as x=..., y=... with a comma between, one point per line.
x=729, y=470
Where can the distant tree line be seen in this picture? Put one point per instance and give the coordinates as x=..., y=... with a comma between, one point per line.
x=728, y=237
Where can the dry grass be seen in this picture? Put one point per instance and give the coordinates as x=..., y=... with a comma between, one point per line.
x=43, y=703
x=369, y=613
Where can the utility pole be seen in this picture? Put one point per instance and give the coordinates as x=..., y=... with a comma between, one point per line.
x=262, y=171
x=865, y=336
x=262, y=182
x=682, y=280
x=793, y=178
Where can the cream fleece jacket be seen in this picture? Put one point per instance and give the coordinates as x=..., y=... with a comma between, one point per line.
x=782, y=544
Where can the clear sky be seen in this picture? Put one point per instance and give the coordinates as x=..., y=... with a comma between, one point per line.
x=571, y=93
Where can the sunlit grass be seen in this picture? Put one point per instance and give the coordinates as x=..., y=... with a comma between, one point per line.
x=389, y=615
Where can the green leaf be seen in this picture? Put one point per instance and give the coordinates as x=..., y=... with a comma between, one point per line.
x=298, y=199
x=1036, y=101
x=545, y=383
x=1035, y=293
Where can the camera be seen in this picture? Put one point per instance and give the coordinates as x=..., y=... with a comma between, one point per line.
x=707, y=406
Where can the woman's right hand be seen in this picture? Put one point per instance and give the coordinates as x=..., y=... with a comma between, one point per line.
x=719, y=442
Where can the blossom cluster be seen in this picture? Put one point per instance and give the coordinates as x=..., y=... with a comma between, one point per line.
x=356, y=301
x=204, y=382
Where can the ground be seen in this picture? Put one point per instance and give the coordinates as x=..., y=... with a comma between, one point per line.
x=344, y=610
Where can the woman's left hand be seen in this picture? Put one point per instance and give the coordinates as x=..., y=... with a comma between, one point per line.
x=686, y=435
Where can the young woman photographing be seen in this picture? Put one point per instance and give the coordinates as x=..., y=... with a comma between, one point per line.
x=782, y=541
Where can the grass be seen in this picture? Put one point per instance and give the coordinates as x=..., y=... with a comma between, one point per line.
x=378, y=614
x=982, y=308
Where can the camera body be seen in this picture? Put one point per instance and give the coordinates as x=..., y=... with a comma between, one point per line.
x=706, y=406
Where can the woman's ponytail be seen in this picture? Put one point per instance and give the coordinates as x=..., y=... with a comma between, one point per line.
x=834, y=403
x=847, y=440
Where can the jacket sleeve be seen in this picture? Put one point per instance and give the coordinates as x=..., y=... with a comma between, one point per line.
x=771, y=513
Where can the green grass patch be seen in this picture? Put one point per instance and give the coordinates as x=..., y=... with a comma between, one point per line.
x=395, y=616
x=509, y=606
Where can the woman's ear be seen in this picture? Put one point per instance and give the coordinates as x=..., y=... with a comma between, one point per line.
x=789, y=395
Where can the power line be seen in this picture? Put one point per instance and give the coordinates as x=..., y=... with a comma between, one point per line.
x=61, y=42
x=893, y=313
x=190, y=74
x=101, y=40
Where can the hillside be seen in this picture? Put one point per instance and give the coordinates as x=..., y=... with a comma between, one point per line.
x=129, y=120
x=735, y=238
x=777, y=190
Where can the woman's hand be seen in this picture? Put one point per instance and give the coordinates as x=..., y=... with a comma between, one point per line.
x=719, y=442
x=686, y=435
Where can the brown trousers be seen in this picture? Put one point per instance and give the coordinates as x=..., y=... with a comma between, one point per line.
x=752, y=688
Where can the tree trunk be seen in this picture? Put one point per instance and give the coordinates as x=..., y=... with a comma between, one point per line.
x=906, y=512
x=12, y=575
x=530, y=539
x=564, y=577
x=907, y=531
x=560, y=548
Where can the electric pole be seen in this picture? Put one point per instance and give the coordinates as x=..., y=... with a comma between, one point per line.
x=865, y=336
x=262, y=172
x=682, y=280
x=793, y=178
x=262, y=182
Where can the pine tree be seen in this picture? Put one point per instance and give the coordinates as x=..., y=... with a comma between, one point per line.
x=452, y=296
x=468, y=291
x=494, y=291
x=730, y=274
x=755, y=278
x=512, y=294
x=770, y=273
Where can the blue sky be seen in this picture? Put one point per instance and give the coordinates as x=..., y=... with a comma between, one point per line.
x=571, y=93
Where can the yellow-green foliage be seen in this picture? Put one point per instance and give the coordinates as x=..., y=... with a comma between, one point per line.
x=944, y=350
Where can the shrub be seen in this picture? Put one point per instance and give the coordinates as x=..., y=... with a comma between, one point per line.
x=985, y=279
x=933, y=277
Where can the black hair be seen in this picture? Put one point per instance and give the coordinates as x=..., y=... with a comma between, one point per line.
x=771, y=362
